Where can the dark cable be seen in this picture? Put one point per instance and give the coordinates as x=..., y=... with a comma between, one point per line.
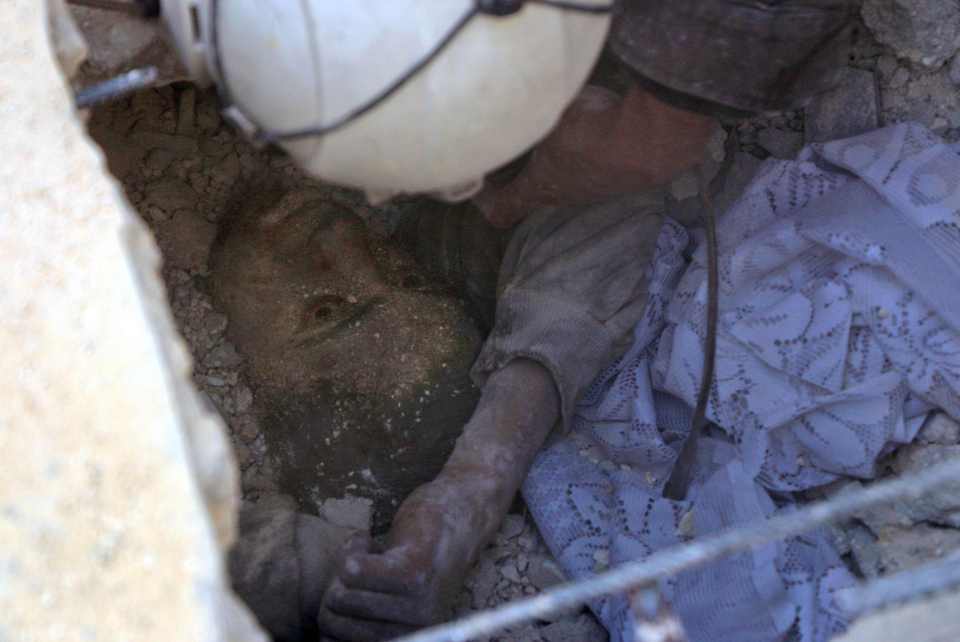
x=459, y=25
x=567, y=5
x=679, y=481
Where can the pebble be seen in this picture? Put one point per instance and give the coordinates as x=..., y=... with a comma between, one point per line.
x=510, y=572
x=545, y=572
x=850, y=109
x=512, y=527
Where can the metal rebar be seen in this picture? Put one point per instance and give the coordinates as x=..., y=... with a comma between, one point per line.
x=116, y=87
x=684, y=557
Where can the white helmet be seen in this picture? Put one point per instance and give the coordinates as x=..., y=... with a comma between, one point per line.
x=394, y=96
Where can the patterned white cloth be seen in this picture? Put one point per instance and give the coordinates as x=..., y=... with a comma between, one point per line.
x=839, y=330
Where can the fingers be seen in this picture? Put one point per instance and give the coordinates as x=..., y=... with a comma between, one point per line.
x=345, y=628
x=388, y=573
x=369, y=605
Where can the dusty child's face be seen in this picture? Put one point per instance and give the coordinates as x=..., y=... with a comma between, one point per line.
x=363, y=370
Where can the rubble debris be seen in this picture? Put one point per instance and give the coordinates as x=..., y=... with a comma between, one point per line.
x=940, y=429
x=348, y=512
x=941, y=507
x=926, y=32
x=117, y=42
x=784, y=144
x=850, y=109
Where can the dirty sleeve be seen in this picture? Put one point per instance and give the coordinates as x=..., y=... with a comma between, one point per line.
x=572, y=286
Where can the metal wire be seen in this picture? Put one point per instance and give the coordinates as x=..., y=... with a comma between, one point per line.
x=116, y=87
x=262, y=136
x=673, y=560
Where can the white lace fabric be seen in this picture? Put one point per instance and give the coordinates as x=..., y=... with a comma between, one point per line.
x=839, y=330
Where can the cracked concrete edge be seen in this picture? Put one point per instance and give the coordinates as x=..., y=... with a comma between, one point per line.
x=118, y=491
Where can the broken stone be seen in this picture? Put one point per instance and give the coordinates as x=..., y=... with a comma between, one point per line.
x=244, y=399
x=687, y=185
x=850, y=109
x=118, y=42
x=545, y=572
x=171, y=195
x=186, y=241
x=509, y=571
x=579, y=628
x=528, y=633
x=512, y=526
x=348, y=512
x=483, y=582
x=865, y=550
x=904, y=548
x=780, y=143
x=941, y=506
x=224, y=355
x=926, y=32
x=940, y=429
x=246, y=428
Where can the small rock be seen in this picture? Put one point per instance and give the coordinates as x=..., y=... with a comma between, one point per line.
x=580, y=628
x=227, y=171
x=545, y=572
x=224, y=355
x=244, y=399
x=941, y=506
x=780, y=143
x=171, y=194
x=528, y=633
x=850, y=109
x=940, y=429
x=865, y=550
x=687, y=185
x=926, y=32
x=215, y=323
x=510, y=572
x=512, y=526
x=900, y=78
x=348, y=512
x=905, y=548
x=246, y=428
x=186, y=241
x=158, y=160
x=483, y=582
x=955, y=70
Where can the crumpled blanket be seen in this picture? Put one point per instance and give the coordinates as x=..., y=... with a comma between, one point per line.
x=839, y=330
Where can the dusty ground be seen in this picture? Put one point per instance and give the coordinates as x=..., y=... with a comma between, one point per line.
x=179, y=163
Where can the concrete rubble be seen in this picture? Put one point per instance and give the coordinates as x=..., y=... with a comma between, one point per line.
x=118, y=492
x=926, y=32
